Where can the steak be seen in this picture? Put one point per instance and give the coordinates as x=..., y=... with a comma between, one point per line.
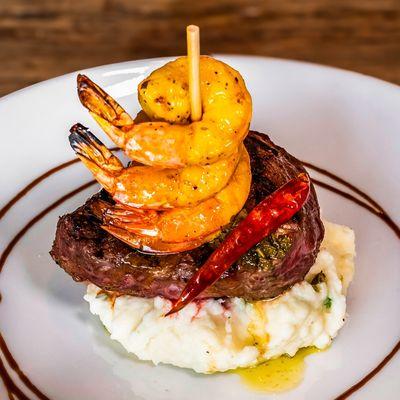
x=88, y=253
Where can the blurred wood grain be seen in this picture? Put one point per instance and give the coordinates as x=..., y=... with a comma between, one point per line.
x=40, y=39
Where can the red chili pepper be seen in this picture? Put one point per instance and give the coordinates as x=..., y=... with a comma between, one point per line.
x=264, y=219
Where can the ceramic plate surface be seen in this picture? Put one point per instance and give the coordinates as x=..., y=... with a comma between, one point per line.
x=344, y=122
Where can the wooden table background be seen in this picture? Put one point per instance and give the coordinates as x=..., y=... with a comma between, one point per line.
x=40, y=39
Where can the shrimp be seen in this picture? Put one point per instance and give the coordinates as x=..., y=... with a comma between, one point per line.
x=170, y=141
x=147, y=187
x=181, y=229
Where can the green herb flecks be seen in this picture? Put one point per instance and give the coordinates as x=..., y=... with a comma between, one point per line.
x=268, y=251
x=328, y=303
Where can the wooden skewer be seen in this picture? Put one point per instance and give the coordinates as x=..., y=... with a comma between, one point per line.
x=193, y=51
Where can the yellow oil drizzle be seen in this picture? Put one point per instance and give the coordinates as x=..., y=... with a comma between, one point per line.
x=277, y=375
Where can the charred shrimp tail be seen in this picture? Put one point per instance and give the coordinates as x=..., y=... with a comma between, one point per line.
x=97, y=101
x=104, y=109
x=103, y=164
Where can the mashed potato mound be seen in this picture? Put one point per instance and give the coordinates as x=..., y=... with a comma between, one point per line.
x=217, y=335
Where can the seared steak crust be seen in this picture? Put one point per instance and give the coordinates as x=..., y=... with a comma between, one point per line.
x=88, y=253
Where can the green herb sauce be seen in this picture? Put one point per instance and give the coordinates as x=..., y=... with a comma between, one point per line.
x=264, y=254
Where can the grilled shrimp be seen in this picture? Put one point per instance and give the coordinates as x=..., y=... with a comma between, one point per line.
x=193, y=177
x=181, y=229
x=171, y=140
x=147, y=187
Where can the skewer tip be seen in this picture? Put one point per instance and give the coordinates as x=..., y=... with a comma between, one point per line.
x=192, y=29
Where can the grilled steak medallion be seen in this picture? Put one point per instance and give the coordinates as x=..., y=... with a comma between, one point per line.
x=88, y=253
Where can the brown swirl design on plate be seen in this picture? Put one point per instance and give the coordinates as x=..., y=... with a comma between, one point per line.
x=14, y=391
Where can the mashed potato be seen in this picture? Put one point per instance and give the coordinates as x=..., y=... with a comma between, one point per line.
x=218, y=335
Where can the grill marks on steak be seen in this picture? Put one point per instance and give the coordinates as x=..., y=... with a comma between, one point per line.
x=88, y=253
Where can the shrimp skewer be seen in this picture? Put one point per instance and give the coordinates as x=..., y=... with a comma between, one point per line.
x=169, y=141
x=196, y=174
x=146, y=187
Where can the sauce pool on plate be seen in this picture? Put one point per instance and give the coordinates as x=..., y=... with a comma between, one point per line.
x=277, y=375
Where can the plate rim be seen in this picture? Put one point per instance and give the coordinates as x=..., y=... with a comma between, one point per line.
x=294, y=62
x=238, y=57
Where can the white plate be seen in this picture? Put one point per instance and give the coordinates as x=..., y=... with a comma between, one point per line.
x=341, y=121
